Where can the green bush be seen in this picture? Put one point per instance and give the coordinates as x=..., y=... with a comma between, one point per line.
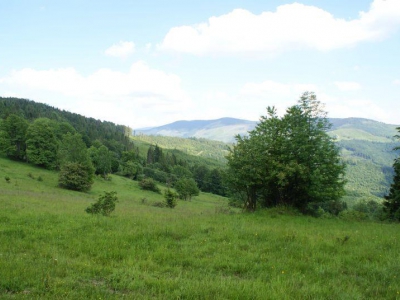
x=186, y=188
x=372, y=209
x=149, y=184
x=333, y=207
x=170, y=198
x=105, y=205
x=75, y=176
x=353, y=215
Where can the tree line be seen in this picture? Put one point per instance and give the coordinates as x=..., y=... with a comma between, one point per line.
x=286, y=160
x=81, y=147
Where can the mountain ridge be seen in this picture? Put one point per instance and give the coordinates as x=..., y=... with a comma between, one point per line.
x=225, y=129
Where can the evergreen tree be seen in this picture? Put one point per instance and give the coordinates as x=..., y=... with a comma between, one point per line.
x=392, y=200
x=150, y=155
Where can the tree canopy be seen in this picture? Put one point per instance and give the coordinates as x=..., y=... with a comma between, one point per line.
x=288, y=160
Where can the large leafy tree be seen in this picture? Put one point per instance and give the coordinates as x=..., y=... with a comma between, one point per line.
x=289, y=160
x=102, y=159
x=42, y=143
x=392, y=200
x=76, y=169
x=13, y=137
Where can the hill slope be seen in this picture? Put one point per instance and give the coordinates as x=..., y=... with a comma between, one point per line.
x=366, y=147
x=51, y=249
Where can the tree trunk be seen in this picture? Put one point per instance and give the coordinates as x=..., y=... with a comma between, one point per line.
x=250, y=204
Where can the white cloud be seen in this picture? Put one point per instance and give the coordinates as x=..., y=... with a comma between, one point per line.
x=122, y=49
x=123, y=98
x=291, y=26
x=347, y=107
x=258, y=96
x=347, y=85
x=253, y=98
x=396, y=82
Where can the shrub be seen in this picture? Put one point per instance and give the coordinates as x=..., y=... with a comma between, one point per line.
x=333, y=207
x=170, y=198
x=149, y=185
x=75, y=176
x=7, y=178
x=370, y=208
x=186, y=188
x=159, y=204
x=105, y=205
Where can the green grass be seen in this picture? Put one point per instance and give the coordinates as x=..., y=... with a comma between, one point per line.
x=51, y=249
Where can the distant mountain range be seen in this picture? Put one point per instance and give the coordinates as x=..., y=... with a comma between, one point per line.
x=225, y=129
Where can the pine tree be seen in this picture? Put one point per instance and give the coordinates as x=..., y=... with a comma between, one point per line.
x=392, y=200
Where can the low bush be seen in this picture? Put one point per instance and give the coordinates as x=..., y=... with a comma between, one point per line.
x=149, y=184
x=105, y=205
x=170, y=198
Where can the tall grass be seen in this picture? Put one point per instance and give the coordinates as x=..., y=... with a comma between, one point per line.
x=51, y=249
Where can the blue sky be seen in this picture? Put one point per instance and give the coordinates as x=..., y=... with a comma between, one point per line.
x=148, y=63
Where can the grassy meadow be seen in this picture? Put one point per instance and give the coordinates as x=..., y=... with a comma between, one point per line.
x=51, y=249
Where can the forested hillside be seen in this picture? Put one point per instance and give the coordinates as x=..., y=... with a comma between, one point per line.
x=47, y=137
x=366, y=148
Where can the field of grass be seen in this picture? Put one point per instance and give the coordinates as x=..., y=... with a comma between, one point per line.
x=51, y=249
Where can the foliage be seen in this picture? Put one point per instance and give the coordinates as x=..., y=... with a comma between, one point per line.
x=76, y=176
x=289, y=160
x=131, y=165
x=392, y=200
x=215, y=151
x=333, y=207
x=105, y=205
x=41, y=143
x=372, y=209
x=76, y=169
x=73, y=149
x=170, y=198
x=102, y=159
x=186, y=188
x=149, y=184
x=13, y=137
x=115, y=137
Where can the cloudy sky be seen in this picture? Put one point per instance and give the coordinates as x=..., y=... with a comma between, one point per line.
x=148, y=63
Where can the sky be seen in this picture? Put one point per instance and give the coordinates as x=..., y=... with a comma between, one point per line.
x=150, y=63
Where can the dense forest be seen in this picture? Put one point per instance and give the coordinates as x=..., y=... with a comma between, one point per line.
x=35, y=133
